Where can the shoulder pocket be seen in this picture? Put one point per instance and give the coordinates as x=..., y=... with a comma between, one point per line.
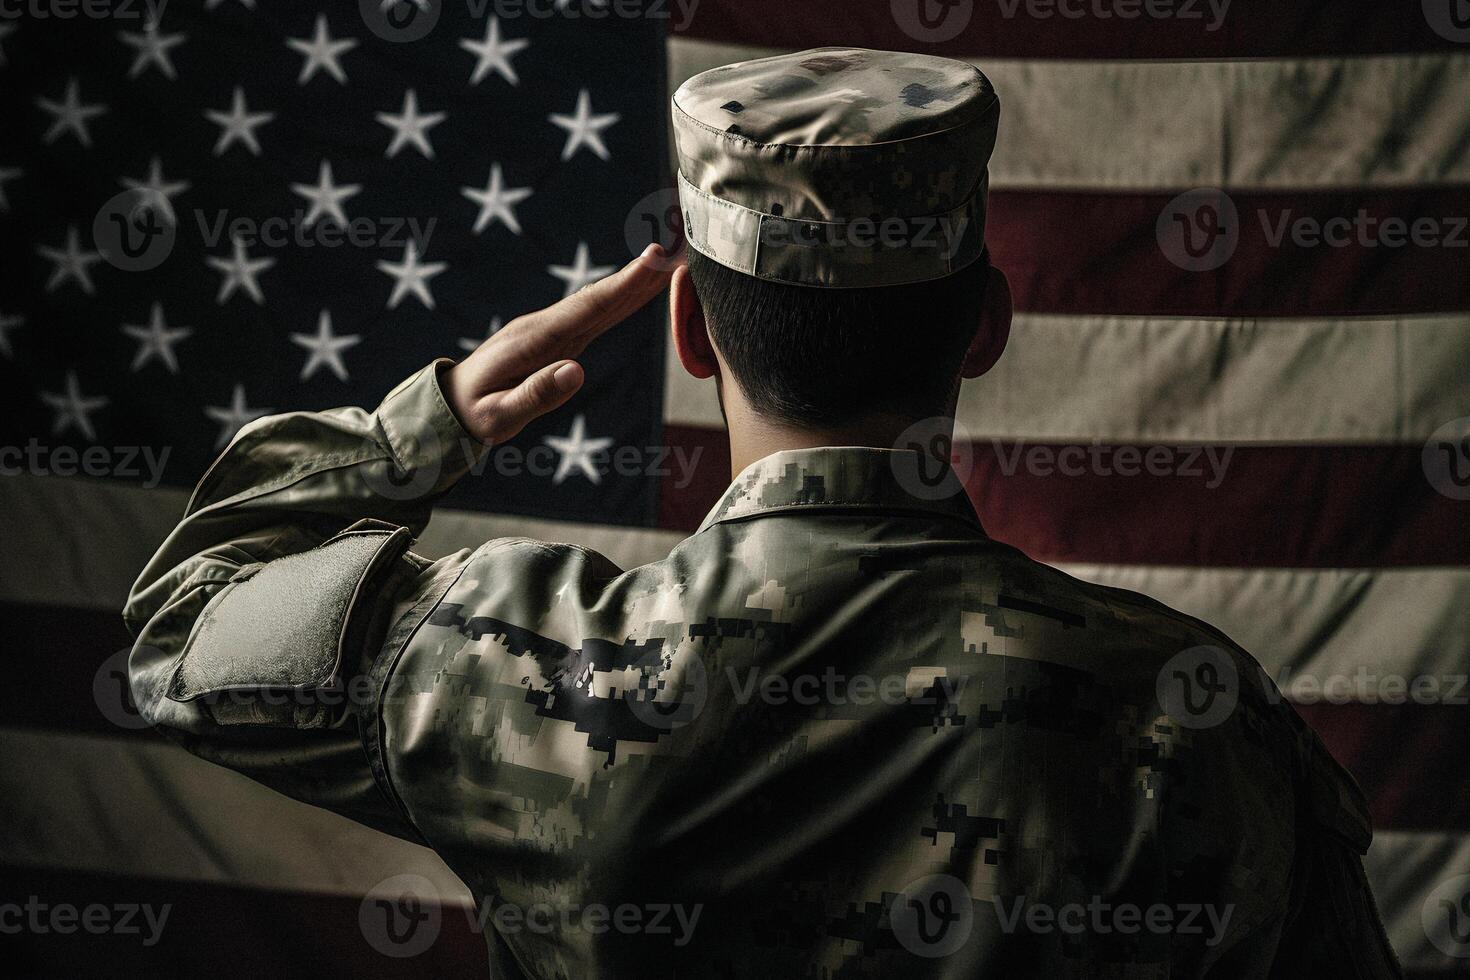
x=284, y=625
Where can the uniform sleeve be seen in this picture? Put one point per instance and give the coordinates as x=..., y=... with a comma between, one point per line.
x=1333, y=928
x=261, y=623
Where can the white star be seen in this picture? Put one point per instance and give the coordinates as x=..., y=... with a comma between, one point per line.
x=71, y=262
x=152, y=48
x=493, y=53
x=7, y=324
x=410, y=127
x=325, y=347
x=240, y=271
x=73, y=408
x=238, y=124
x=471, y=344
x=321, y=52
x=497, y=201
x=154, y=192
x=70, y=114
x=232, y=418
x=576, y=451
x=584, y=127
x=580, y=272
x=412, y=276
x=326, y=197
x=5, y=31
x=7, y=173
x=156, y=340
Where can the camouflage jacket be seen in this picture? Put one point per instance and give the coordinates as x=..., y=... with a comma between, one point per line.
x=838, y=732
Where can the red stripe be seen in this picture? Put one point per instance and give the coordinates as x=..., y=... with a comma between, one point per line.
x=1095, y=253
x=1275, y=506
x=1282, y=28
x=1409, y=758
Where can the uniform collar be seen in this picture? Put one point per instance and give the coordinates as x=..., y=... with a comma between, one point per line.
x=845, y=478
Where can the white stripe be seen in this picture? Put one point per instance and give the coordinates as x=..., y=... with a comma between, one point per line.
x=171, y=816
x=1405, y=868
x=1130, y=379
x=81, y=543
x=1327, y=635
x=145, y=809
x=1384, y=121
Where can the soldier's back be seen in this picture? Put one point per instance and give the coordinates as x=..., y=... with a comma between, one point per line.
x=837, y=733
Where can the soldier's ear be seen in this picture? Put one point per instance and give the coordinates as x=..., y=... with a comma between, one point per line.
x=994, y=328
x=686, y=323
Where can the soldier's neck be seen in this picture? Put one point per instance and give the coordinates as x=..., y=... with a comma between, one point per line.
x=753, y=437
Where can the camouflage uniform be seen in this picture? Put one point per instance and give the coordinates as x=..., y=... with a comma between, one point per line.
x=834, y=691
x=839, y=729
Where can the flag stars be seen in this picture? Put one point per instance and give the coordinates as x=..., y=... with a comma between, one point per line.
x=325, y=348
x=497, y=202
x=326, y=196
x=233, y=417
x=321, y=53
x=580, y=272
x=578, y=453
x=411, y=276
x=470, y=344
x=156, y=340
x=72, y=408
x=584, y=128
x=493, y=54
x=155, y=192
x=153, y=49
x=71, y=262
x=410, y=126
x=70, y=115
x=239, y=271
x=238, y=125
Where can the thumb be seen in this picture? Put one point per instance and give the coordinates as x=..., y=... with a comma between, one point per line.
x=547, y=389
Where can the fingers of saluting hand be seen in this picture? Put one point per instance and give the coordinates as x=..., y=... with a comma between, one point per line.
x=565, y=328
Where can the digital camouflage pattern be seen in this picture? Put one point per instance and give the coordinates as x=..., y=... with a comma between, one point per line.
x=837, y=167
x=840, y=730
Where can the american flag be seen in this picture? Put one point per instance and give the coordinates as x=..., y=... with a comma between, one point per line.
x=1231, y=384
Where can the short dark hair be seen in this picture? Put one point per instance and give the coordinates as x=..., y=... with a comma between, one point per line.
x=810, y=356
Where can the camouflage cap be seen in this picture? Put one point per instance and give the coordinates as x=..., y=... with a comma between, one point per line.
x=837, y=167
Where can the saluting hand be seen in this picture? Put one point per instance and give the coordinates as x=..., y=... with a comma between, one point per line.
x=527, y=369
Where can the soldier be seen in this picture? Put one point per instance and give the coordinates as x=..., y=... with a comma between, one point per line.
x=839, y=731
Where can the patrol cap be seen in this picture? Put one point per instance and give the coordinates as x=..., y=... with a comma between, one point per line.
x=837, y=167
